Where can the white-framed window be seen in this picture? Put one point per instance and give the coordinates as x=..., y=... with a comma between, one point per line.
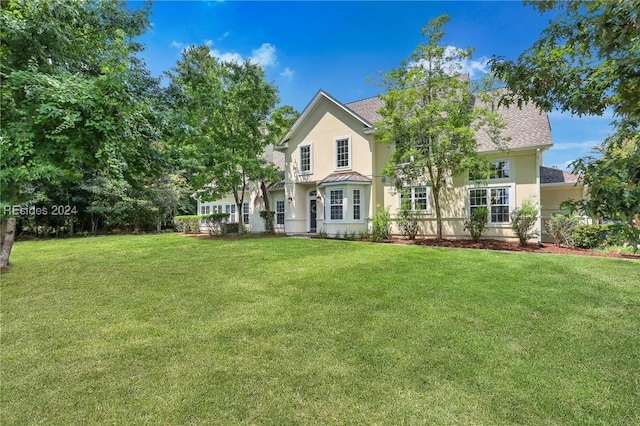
x=305, y=158
x=336, y=204
x=417, y=197
x=217, y=208
x=245, y=213
x=500, y=170
x=356, y=204
x=496, y=200
x=279, y=212
x=231, y=209
x=343, y=153
x=205, y=209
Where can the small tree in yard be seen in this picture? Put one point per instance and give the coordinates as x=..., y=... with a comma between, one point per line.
x=523, y=220
x=430, y=117
x=407, y=219
x=477, y=223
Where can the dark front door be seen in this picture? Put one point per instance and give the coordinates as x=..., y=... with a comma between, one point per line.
x=312, y=215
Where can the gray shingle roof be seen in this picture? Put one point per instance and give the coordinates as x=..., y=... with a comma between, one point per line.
x=526, y=126
x=367, y=108
x=551, y=175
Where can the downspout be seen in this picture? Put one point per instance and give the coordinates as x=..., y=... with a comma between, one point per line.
x=538, y=194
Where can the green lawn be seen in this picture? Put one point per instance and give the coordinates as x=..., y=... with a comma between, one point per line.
x=167, y=329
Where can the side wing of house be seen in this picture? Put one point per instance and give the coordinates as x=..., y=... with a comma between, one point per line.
x=557, y=186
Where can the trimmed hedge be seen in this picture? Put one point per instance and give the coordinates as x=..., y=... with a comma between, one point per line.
x=190, y=224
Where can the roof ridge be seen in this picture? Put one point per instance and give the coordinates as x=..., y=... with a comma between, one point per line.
x=363, y=99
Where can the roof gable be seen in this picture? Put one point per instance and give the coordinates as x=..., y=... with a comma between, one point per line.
x=319, y=97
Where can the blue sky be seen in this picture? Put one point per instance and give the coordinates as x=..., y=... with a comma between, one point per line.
x=340, y=46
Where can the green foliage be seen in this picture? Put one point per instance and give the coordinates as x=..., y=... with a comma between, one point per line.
x=426, y=115
x=585, y=60
x=364, y=235
x=267, y=216
x=407, y=220
x=477, y=223
x=589, y=236
x=523, y=220
x=613, y=181
x=381, y=225
x=223, y=109
x=562, y=228
x=322, y=234
x=190, y=224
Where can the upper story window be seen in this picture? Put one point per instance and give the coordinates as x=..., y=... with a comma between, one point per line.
x=500, y=170
x=343, y=153
x=305, y=158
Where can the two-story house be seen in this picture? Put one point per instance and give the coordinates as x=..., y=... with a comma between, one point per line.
x=333, y=182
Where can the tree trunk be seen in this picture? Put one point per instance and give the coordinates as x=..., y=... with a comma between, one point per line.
x=6, y=241
x=436, y=203
x=269, y=221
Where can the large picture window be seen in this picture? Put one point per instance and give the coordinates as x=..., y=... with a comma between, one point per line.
x=305, y=158
x=496, y=200
x=280, y=212
x=417, y=197
x=343, y=156
x=336, y=204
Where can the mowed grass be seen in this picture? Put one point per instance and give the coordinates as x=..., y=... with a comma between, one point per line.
x=167, y=329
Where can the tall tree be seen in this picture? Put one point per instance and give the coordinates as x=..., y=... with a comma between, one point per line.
x=280, y=121
x=587, y=60
x=429, y=115
x=224, y=107
x=71, y=96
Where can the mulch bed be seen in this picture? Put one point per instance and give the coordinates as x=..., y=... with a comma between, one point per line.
x=514, y=246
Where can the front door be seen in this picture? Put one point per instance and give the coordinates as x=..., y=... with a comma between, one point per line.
x=312, y=215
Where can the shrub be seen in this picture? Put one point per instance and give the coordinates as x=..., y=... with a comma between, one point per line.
x=350, y=235
x=561, y=228
x=523, y=220
x=365, y=235
x=191, y=224
x=381, y=225
x=407, y=221
x=321, y=234
x=477, y=223
x=589, y=236
x=268, y=221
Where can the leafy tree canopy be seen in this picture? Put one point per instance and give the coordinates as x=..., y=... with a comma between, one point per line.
x=586, y=60
x=430, y=116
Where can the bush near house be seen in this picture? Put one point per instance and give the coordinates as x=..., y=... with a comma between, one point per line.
x=190, y=224
x=477, y=223
x=562, y=227
x=381, y=225
x=523, y=220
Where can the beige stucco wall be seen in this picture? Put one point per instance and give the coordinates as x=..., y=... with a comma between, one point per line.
x=454, y=198
x=325, y=123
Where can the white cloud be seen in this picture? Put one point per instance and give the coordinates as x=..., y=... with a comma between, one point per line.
x=475, y=68
x=287, y=73
x=584, y=145
x=225, y=35
x=226, y=56
x=265, y=55
x=208, y=43
x=177, y=44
